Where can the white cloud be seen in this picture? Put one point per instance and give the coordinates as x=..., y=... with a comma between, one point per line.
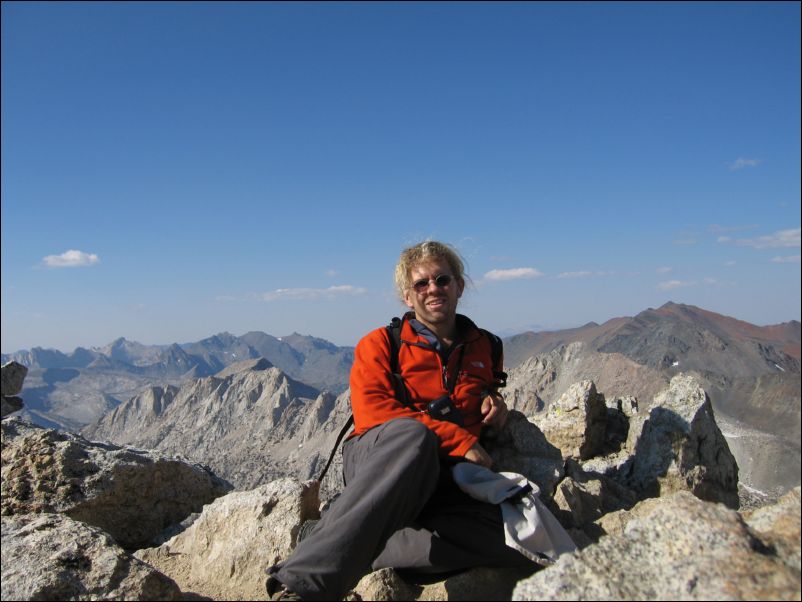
x=741, y=163
x=664, y=270
x=512, y=274
x=786, y=259
x=718, y=229
x=780, y=239
x=729, y=263
x=672, y=284
x=298, y=294
x=71, y=259
x=580, y=274
x=332, y=273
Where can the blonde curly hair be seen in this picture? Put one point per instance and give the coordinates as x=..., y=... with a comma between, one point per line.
x=423, y=252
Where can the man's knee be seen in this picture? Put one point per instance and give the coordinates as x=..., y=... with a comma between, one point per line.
x=399, y=446
x=413, y=435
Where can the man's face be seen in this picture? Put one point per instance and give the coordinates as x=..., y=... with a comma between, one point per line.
x=434, y=305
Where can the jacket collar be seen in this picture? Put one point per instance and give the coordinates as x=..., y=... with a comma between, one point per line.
x=466, y=331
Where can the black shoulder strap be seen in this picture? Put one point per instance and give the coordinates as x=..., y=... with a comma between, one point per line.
x=349, y=423
x=497, y=353
x=394, y=335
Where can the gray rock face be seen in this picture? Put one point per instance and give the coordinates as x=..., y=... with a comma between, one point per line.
x=577, y=421
x=52, y=557
x=475, y=584
x=682, y=549
x=779, y=526
x=251, y=425
x=13, y=376
x=521, y=447
x=768, y=465
x=678, y=446
x=586, y=497
x=133, y=495
x=11, y=405
x=384, y=584
x=225, y=552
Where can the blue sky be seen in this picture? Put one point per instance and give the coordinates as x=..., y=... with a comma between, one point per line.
x=173, y=170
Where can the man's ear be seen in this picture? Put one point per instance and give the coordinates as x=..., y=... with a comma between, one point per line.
x=408, y=299
x=460, y=287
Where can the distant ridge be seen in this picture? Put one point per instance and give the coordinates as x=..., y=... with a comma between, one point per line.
x=675, y=320
x=71, y=390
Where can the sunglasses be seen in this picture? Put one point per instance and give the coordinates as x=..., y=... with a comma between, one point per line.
x=441, y=281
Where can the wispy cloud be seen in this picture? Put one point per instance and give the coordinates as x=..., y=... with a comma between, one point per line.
x=741, y=163
x=669, y=285
x=589, y=273
x=719, y=229
x=332, y=273
x=664, y=270
x=579, y=274
x=780, y=239
x=305, y=294
x=513, y=274
x=71, y=259
x=786, y=259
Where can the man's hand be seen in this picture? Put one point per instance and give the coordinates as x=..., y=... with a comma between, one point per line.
x=478, y=455
x=494, y=411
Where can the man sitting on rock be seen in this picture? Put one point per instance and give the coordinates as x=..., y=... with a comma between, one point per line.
x=400, y=507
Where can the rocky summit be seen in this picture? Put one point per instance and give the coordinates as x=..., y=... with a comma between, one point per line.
x=650, y=498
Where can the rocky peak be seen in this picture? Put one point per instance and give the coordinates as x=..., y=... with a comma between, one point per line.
x=256, y=364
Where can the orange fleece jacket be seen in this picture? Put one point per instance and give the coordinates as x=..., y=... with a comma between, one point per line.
x=373, y=400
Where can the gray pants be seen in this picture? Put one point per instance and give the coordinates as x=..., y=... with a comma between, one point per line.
x=400, y=510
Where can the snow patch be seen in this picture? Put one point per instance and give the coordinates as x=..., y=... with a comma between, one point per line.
x=753, y=490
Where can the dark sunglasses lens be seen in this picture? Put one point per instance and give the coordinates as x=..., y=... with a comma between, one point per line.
x=442, y=281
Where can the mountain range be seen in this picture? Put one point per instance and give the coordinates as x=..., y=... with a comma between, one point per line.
x=752, y=374
x=70, y=390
